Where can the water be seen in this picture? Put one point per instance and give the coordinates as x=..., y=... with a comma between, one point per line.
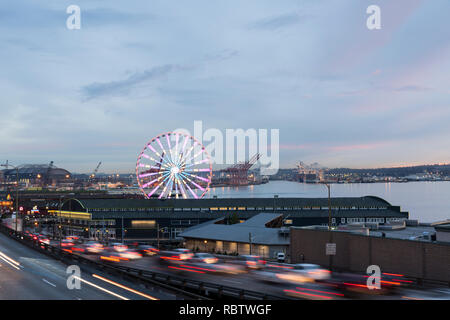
x=425, y=201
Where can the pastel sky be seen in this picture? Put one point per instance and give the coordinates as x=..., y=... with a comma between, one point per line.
x=340, y=94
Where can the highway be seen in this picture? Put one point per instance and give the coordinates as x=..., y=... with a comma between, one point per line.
x=26, y=274
x=250, y=281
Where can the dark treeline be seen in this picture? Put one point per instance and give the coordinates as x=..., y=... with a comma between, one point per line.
x=397, y=172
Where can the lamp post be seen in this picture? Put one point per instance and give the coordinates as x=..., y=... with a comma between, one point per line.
x=60, y=224
x=329, y=205
x=17, y=187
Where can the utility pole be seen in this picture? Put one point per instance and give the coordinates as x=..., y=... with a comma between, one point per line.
x=329, y=206
x=122, y=229
x=60, y=224
x=250, y=240
x=157, y=233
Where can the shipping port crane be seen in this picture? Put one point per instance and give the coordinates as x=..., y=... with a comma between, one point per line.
x=239, y=172
x=92, y=176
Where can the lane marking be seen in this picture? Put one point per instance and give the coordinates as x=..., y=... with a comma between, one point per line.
x=9, y=260
x=124, y=287
x=11, y=264
x=100, y=288
x=48, y=282
x=411, y=298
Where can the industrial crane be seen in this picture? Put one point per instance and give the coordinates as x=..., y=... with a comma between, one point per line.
x=92, y=176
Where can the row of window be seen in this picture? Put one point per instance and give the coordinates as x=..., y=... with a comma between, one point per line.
x=353, y=220
x=231, y=209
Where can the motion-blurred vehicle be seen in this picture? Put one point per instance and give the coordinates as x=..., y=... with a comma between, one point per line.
x=74, y=239
x=281, y=256
x=67, y=243
x=204, y=258
x=118, y=247
x=352, y=284
x=251, y=262
x=187, y=254
x=146, y=250
x=44, y=239
x=174, y=257
x=93, y=247
x=120, y=251
x=313, y=271
x=293, y=274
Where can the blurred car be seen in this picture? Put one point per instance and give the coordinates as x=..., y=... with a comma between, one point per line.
x=119, y=247
x=174, y=257
x=117, y=256
x=74, y=239
x=251, y=262
x=187, y=254
x=93, y=247
x=352, y=284
x=206, y=262
x=67, y=243
x=147, y=250
x=312, y=271
x=294, y=274
x=204, y=258
x=129, y=254
x=44, y=239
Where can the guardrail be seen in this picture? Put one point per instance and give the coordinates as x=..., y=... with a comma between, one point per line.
x=192, y=288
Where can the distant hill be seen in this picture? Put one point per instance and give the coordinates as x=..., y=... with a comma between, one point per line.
x=443, y=169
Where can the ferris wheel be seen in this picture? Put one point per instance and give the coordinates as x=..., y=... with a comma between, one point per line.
x=174, y=165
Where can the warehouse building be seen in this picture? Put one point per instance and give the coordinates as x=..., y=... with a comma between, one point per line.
x=141, y=218
x=260, y=235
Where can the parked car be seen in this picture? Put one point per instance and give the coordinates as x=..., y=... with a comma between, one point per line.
x=281, y=256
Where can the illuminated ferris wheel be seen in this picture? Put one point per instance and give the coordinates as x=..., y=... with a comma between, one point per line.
x=174, y=165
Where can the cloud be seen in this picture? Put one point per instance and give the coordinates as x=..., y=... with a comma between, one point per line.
x=412, y=88
x=278, y=22
x=123, y=87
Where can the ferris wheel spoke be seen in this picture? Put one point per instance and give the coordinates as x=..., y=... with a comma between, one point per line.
x=177, y=136
x=192, y=192
x=193, y=183
x=164, y=150
x=170, y=148
x=154, y=190
x=149, y=183
x=195, y=156
x=170, y=177
x=183, y=192
x=197, y=163
x=198, y=177
x=144, y=175
x=184, y=159
x=161, y=163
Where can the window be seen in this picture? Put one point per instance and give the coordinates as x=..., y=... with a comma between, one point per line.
x=143, y=224
x=342, y=220
x=288, y=221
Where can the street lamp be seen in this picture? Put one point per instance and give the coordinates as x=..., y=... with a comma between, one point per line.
x=17, y=187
